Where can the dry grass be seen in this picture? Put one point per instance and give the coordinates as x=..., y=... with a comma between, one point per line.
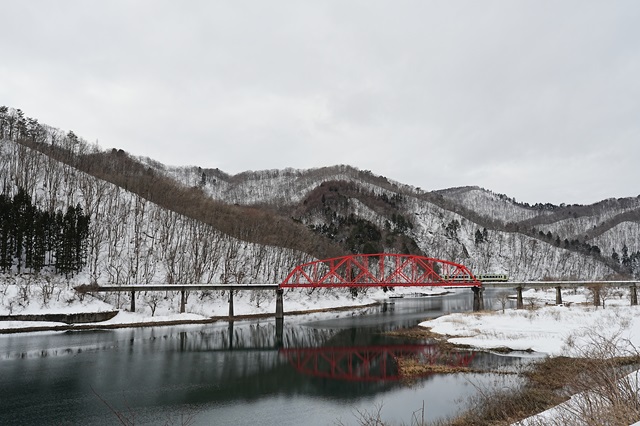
x=411, y=368
x=418, y=333
x=606, y=396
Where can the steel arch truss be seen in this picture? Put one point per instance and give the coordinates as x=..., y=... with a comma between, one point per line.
x=380, y=270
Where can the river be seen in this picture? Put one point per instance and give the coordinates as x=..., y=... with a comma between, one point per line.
x=323, y=369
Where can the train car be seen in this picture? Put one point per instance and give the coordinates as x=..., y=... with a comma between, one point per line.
x=479, y=277
x=492, y=277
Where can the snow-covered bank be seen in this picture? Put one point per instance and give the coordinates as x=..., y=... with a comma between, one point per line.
x=163, y=308
x=554, y=330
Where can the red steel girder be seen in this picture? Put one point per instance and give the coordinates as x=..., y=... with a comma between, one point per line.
x=377, y=270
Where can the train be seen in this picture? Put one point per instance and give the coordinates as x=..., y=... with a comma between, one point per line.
x=479, y=277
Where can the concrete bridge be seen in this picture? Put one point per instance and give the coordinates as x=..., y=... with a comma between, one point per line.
x=374, y=270
x=595, y=286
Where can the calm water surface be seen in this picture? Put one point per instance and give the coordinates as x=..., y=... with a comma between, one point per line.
x=319, y=370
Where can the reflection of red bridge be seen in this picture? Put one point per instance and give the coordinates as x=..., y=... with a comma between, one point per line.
x=368, y=363
x=376, y=270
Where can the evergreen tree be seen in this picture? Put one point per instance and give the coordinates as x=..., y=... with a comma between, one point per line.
x=22, y=221
x=6, y=253
x=615, y=256
x=626, y=261
x=28, y=236
x=479, y=238
x=40, y=241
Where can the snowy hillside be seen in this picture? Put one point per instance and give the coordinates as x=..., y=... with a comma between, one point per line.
x=276, y=187
x=488, y=204
x=132, y=240
x=519, y=255
x=153, y=223
x=625, y=234
x=515, y=254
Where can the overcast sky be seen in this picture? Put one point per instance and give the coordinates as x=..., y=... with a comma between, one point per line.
x=538, y=100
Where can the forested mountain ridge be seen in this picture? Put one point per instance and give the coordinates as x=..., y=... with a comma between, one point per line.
x=156, y=223
x=595, y=230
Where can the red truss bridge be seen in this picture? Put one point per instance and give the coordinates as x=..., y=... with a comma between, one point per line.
x=368, y=363
x=380, y=270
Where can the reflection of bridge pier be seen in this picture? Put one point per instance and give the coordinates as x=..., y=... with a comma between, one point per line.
x=230, y=330
x=278, y=336
x=279, y=332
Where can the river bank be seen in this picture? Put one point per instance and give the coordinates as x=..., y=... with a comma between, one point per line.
x=163, y=308
x=123, y=320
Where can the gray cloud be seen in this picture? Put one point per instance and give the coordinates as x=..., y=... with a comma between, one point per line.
x=535, y=99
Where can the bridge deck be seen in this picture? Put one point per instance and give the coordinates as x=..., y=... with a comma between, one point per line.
x=273, y=287
x=554, y=284
x=181, y=287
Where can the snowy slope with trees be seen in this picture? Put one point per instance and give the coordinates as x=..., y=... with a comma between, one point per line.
x=556, y=238
x=497, y=207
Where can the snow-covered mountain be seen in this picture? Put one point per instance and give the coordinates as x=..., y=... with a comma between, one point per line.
x=156, y=223
x=446, y=223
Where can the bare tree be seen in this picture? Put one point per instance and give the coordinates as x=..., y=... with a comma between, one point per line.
x=152, y=299
x=503, y=299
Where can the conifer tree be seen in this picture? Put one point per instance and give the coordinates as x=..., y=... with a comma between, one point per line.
x=29, y=236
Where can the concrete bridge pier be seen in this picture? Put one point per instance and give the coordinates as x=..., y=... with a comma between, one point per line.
x=478, y=299
x=183, y=301
x=558, y=295
x=133, y=300
x=519, y=303
x=230, y=303
x=634, y=295
x=279, y=307
x=596, y=295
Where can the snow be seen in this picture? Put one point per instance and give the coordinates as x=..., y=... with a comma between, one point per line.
x=564, y=330
x=63, y=301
